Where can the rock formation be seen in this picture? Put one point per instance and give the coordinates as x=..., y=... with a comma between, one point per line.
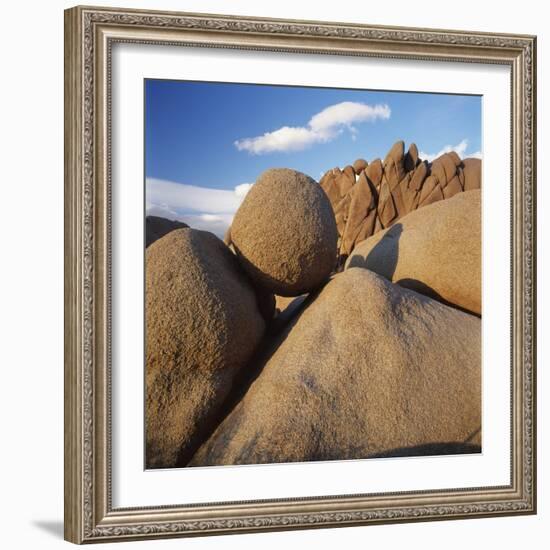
x=386, y=191
x=435, y=250
x=472, y=174
x=367, y=369
x=261, y=349
x=284, y=233
x=202, y=326
x=359, y=165
x=156, y=227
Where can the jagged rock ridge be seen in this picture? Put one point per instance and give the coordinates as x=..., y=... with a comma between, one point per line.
x=368, y=197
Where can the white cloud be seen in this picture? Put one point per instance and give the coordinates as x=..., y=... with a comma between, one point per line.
x=215, y=223
x=199, y=207
x=460, y=149
x=321, y=128
x=284, y=139
x=180, y=196
x=161, y=210
x=242, y=189
x=347, y=113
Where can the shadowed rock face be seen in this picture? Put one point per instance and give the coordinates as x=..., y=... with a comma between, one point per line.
x=156, y=227
x=202, y=326
x=435, y=250
x=284, y=233
x=367, y=369
x=386, y=191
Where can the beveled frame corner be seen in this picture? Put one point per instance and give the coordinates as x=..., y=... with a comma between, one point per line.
x=89, y=36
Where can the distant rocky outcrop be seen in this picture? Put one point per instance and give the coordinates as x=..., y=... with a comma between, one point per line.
x=359, y=165
x=284, y=233
x=472, y=173
x=202, y=326
x=156, y=227
x=369, y=197
x=435, y=251
x=367, y=369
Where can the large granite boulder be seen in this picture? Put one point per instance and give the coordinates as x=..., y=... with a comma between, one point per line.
x=367, y=369
x=202, y=327
x=435, y=250
x=284, y=233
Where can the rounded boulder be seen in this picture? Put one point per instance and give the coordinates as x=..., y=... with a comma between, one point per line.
x=435, y=250
x=202, y=327
x=366, y=369
x=284, y=233
x=359, y=165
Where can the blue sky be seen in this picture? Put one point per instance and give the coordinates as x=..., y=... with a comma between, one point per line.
x=205, y=143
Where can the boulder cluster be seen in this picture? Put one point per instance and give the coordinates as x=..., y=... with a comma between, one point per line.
x=284, y=233
x=202, y=325
x=264, y=348
x=367, y=197
x=366, y=370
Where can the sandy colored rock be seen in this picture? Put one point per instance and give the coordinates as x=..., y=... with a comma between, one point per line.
x=435, y=250
x=452, y=188
x=341, y=213
x=349, y=170
x=362, y=204
x=411, y=158
x=437, y=171
x=374, y=172
x=367, y=369
x=328, y=184
x=202, y=326
x=336, y=183
x=401, y=196
x=394, y=168
x=285, y=234
x=156, y=227
x=431, y=192
x=359, y=165
x=387, y=211
x=450, y=162
x=345, y=180
x=418, y=176
x=472, y=173
x=399, y=185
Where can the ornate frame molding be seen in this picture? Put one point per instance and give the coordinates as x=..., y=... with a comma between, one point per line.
x=89, y=34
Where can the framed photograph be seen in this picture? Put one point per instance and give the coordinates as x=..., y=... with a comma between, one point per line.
x=300, y=274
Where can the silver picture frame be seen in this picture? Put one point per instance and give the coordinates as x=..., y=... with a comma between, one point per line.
x=89, y=36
